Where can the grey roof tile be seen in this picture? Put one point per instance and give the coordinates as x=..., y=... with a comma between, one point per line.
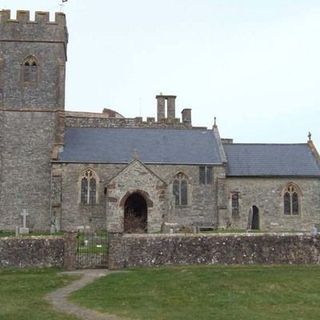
x=119, y=145
x=271, y=160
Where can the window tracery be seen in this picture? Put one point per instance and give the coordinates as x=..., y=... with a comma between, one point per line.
x=180, y=189
x=291, y=201
x=88, y=188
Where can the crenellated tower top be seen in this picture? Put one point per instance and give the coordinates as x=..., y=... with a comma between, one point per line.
x=33, y=55
x=40, y=17
x=40, y=29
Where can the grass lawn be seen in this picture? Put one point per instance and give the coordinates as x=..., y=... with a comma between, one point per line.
x=208, y=292
x=22, y=292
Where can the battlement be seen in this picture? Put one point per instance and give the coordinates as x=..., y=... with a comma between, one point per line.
x=23, y=16
x=41, y=29
x=99, y=120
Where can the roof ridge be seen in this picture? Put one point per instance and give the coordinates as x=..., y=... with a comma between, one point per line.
x=268, y=144
x=146, y=128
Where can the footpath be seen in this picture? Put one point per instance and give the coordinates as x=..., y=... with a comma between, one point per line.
x=59, y=298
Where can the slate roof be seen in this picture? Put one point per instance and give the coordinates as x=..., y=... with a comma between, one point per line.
x=119, y=145
x=271, y=160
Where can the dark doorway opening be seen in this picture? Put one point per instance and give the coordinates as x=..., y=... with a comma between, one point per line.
x=255, y=223
x=135, y=214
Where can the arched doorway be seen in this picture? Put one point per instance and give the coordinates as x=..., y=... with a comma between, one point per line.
x=255, y=222
x=135, y=214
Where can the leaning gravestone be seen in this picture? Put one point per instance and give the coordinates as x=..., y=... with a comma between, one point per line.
x=24, y=229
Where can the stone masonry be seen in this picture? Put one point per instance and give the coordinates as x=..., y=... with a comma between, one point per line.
x=267, y=195
x=127, y=251
x=28, y=114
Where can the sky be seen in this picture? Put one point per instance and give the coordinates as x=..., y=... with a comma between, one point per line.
x=254, y=65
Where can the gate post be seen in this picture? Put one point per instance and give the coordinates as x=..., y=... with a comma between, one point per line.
x=116, y=254
x=70, y=247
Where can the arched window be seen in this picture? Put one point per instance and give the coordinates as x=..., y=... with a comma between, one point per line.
x=180, y=189
x=88, y=187
x=291, y=201
x=30, y=70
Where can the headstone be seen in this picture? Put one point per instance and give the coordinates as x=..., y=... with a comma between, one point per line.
x=52, y=228
x=314, y=231
x=24, y=229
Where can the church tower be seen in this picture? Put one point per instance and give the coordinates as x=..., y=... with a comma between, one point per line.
x=32, y=85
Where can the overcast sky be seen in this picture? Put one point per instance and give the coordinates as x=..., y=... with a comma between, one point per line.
x=254, y=64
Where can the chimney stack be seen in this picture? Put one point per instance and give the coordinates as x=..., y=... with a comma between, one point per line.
x=161, y=107
x=166, y=102
x=171, y=107
x=186, y=116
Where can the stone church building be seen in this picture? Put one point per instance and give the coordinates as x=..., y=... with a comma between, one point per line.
x=73, y=169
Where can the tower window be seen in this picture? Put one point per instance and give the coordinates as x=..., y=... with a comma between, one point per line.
x=88, y=188
x=30, y=70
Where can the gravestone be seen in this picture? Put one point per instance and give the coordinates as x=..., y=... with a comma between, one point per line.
x=24, y=229
x=314, y=231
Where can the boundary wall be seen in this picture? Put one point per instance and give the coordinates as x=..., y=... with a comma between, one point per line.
x=127, y=251
x=152, y=250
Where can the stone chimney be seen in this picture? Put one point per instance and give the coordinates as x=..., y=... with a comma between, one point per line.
x=161, y=107
x=166, y=102
x=186, y=116
x=171, y=107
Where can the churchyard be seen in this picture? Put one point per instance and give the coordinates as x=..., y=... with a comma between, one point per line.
x=224, y=276
x=172, y=293
x=22, y=294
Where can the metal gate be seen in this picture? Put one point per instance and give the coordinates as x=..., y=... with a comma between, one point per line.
x=92, y=249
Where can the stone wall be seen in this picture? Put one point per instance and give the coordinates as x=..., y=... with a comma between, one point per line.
x=208, y=204
x=137, y=178
x=202, y=203
x=70, y=213
x=267, y=195
x=90, y=120
x=201, y=209
x=178, y=249
x=26, y=139
x=32, y=252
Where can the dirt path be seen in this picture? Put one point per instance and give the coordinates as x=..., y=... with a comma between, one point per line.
x=59, y=298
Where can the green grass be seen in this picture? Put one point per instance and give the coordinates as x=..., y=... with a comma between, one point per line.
x=22, y=292
x=6, y=233
x=208, y=292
